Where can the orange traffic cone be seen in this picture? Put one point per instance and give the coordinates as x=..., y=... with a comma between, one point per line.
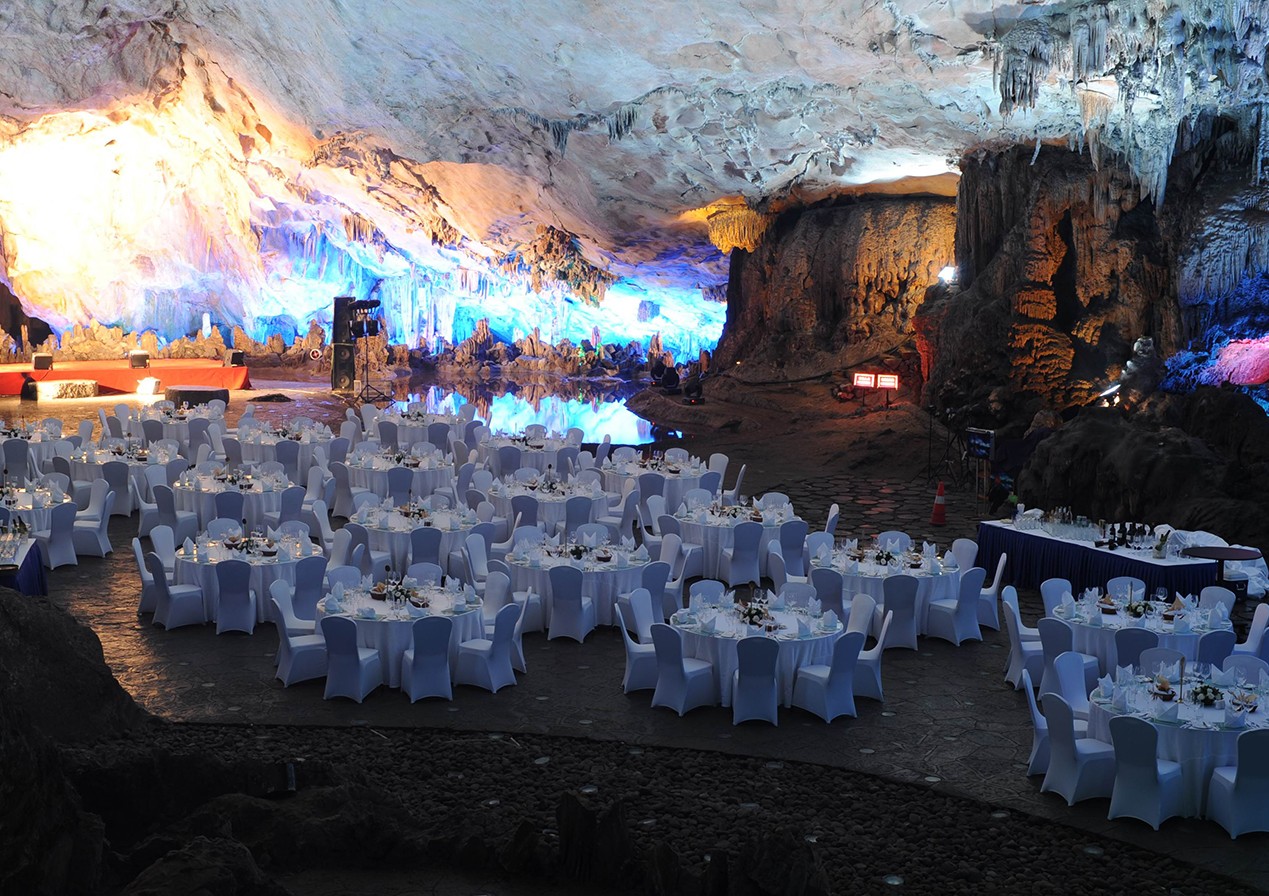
x=939, y=516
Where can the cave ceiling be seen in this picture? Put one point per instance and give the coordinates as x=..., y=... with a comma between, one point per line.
x=589, y=143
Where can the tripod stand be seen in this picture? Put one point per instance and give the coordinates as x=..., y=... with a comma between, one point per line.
x=361, y=327
x=369, y=394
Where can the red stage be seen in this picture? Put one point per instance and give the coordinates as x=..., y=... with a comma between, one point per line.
x=117, y=376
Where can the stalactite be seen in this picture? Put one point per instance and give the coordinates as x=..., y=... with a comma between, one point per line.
x=622, y=122
x=737, y=227
x=1089, y=28
x=1027, y=54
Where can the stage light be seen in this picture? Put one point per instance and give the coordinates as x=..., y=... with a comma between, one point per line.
x=148, y=386
x=887, y=381
x=948, y=274
x=1109, y=390
x=865, y=380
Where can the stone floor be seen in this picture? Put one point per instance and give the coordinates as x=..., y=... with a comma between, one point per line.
x=948, y=722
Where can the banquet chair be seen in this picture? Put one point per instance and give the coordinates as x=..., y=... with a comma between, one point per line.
x=1130, y=642
x=574, y=436
x=1152, y=658
x=988, y=598
x=965, y=550
x=17, y=460
x=862, y=609
x=718, y=463
x=425, y=544
x=290, y=507
x=1068, y=668
x=868, y=666
x=1126, y=586
x=497, y=595
x=1038, y=763
x=229, y=505
x=830, y=524
x=425, y=664
x=184, y=523
x=894, y=536
x=57, y=541
x=351, y=671
x=1255, y=634
x=85, y=431
x=310, y=574
x=174, y=467
x=426, y=572
x=115, y=472
x=337, y=448
x=358, y=557
x=566, y=461
x=147, y=511
x=640, y=612
x=1080, y=768
x=508, y=461
x=527, y=474
x=401, y=485
x=1051, y=593
x=438, y=435
x=1146, y=787
x=525, y=507
x=709, y=590
x=1056, y=637
x=1009, y=595
x=649, y=484
x=693, y=553
x=296, y=529
x=641, y=656
x=898, y=596
x=775, y=566
x=572, y=613
x=1251, y=667
x=739, y=563
x=1212, y=595
x=233, y=451
x=236, y=605
x=486, y=662
x=577, y=511
x=535, y=431
x=798, y=594
x=301, y=658
x=375, y=563
x=387, y=431
x=829, y=691
x=1024, y=656
x=146, y=601
x=710, y=484
x=1238, y=795
x=817, y=543
x=623, y=454
x=80, y=489
x=956, y=619
x=596, y=533
x=792, y=544
x=697, y=497
x=475, y=497
x=677, y=455
x=683, y=683
x=830, y=591
x=476, y=560
x=753, y=684
x=1214, y=647
x=90, y=537
x=622, y=525
x=174, y=605
x=350, y=430
x=163, y=543
x=223, y=527
x=318, y=519
x=772, y=500
x=344, y=492
x=96, y=502
x=281, y=593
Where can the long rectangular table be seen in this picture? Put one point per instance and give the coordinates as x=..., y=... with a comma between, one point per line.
x=1034, y=556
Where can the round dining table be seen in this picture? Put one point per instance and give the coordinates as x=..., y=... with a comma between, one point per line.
x=259, y=447
x=390, y=531
x=40, y=449
x=538, y=454
x=551, y=503
x=714, y=532
x=1094, y=633
x=413, y=428
x=934, y=582
x=712, y=635
x=679, y=479
x=370, y=471
x=603, y=580
x=199, y=568
x=389, y=628
x=34, y=506
x=198, y=494
x=86, y=465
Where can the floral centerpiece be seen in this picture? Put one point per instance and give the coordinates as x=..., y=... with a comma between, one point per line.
x=753, y=613
x=1205, y=694
x=885, y=558
x=1135, y=608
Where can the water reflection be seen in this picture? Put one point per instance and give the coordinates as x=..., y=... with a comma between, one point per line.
x=598, y=409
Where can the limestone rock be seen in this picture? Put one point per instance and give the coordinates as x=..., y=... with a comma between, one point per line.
x=205, y=867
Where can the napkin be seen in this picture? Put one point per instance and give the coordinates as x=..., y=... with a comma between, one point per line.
x=814, y=607
x=284, y=555
x=830, y=620
x=188, y=547
x=1219, y=616
x=823, y=554
x=1067, y=606
x=1171, y=673
x=415, y=612
x=1165, y=712
x=337, y=591
x=1106, y=687
x=1095, y=619
x=641, y=553
x=551, y=541
x=589, y=541
x=366, y=613
x=892, y=546
x=777, y=602
x=1120, y=700
x=1264, y=681
x=367, y=582
x=595, y=490
x=1123, y=675
x=1235, y=718
x=1181, y=626
x=333, y=603
x=1223, y=678
x=1137, y=621
x=928, y=549
x=627, y=543
x=804, y=630
x=710, y=625
x=727, y=601
x=852, y=544
x=852, y=568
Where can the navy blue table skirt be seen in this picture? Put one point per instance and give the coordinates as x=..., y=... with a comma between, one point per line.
x=1034, y=558
x=28, y=578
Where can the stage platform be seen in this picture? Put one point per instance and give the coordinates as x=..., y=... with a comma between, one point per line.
x=117, y=377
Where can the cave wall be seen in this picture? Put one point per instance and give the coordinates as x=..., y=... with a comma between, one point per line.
x=1062, y=267
x=835, y=286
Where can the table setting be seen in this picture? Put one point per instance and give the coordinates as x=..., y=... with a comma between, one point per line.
x=412, y=426
x=389, y=526
x=386, y=612
x=539, y=453
x=272, y=557
x=711, y=526
x=260, y=444
x=608, y=571
x=32, y=504
x=711, y=628
x=41, y=444
x=679, y=477
x=1198, y=711
x=368, y=469
x=261, y=492
x=86, y=464
x=551, y=494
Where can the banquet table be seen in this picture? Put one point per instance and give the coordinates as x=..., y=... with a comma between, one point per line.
x=551, y=504
x=1098, y=638
x=258, y=447
x=391, y=532
x=714, y=533
x=198, y=494
x=34, y=506
x=1199, y=741
x=23, y=570
x=678, y=479
x=602, y=581
x=371, y=472
x=1034, y=556
x=936, y=583
x=413, y=428
x=390, y=630
x=537, y=454
x=719, y=647
x=40, y=449
x=200, y=570
x=87, y=465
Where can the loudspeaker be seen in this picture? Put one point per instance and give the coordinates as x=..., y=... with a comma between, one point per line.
x=343, y=367
x=341, y=324
x=42, y=361
x=235, y=357
x=138, y=358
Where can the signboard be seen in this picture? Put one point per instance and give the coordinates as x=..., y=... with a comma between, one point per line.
x=980, y=442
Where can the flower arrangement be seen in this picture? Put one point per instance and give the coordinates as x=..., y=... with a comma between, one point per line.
x=1135, y=608
x=753, y=613
x=885, y=558
x=1206, y=694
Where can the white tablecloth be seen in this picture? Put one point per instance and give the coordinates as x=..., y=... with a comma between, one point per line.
x=676, y=484
x=551, y=505
x=1099, y=640
x=391, y=533
x=258, y=448
x=720, y=649
x=392, y=634
x=941, y=584
x=375, y=477
x=716, y=534
x=264, y=572
x=202, y=500
x=603, y=583
x=35, y=508
x=539, y=458
x=90, y=469
x=410, y=431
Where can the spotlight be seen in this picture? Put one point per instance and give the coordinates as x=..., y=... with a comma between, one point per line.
x=948, y=274
x=148, y=386
x=1109, y=391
